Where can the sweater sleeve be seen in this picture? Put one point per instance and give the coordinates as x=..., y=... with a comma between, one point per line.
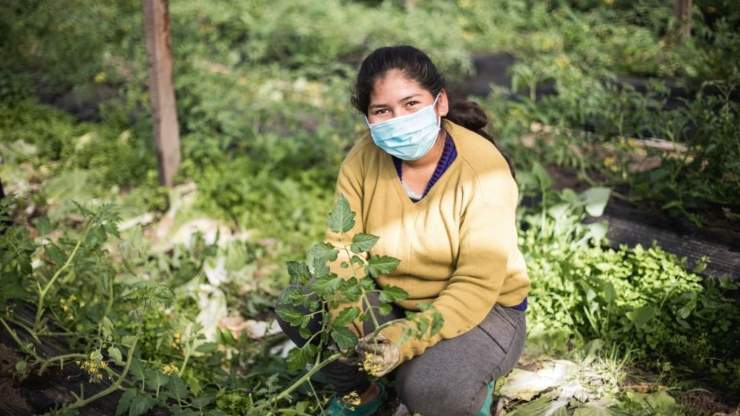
x=349, y=184
x=488, y=237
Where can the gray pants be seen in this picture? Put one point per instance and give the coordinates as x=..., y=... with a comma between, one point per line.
x=449, y=378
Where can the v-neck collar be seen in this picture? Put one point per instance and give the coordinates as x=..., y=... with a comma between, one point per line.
x=399, y=186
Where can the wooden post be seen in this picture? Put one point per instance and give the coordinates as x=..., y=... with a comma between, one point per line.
x=161, y=91
x=682, y=14
x=3, y=224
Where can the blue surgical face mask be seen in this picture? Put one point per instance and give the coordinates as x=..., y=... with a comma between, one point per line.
x=407, y=137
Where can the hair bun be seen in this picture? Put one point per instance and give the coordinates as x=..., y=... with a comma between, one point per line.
x=467, y=114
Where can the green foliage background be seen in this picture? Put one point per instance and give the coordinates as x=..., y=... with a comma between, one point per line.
x=263, y=103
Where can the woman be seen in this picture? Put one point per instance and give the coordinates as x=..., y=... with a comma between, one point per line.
x=442, y=198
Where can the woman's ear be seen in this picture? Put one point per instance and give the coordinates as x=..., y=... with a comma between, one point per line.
x=443, y=103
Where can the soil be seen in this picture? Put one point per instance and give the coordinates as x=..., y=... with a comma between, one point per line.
x=33, y=394
x=493, y=69
x=632, y=224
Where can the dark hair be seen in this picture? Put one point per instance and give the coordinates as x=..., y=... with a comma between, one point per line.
x=416, y=65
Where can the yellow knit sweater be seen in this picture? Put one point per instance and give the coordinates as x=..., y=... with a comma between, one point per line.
x=457, y=245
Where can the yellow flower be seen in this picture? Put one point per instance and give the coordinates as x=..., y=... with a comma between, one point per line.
x=371, y=366
x=169, y=368
x=352, y=398
x=176, y=340
x=93, y=366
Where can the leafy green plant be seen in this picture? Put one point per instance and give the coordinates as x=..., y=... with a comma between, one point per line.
x=643, y=300
x=122, y=331
x=338, y=301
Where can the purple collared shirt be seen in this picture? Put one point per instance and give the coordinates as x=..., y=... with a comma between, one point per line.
x=449, y=153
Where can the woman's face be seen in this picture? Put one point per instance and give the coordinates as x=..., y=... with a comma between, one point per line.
x=395, y=95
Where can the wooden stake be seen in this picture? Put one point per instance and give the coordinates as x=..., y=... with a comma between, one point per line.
x=682, y=14
x=161, y=91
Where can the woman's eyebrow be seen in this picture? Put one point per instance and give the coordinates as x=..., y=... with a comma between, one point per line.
x=400, y=101
x=376, y=106
x=409, y=97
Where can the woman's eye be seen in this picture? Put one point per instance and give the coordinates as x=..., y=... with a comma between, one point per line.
x=380, y=111
x=412, y=103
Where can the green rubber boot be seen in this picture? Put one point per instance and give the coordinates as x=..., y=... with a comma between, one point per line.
x=485, y=409
x=338, y=408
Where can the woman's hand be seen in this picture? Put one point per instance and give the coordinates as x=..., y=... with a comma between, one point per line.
x=379, y=355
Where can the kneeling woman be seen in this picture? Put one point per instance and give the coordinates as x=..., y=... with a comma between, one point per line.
x=442, y=198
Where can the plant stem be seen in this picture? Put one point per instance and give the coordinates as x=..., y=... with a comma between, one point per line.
x=188, y=351
x=324, y=323
x=42, y=292
x=26, y=328
x=385, y=325
x=109, y=304
x=113, y=387
x=369, y=306
x=48, y=361
x=306, y=376
x=370, y=309
x=18, y=341
x=316, y=397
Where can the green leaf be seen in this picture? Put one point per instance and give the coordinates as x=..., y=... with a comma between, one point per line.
x=202, y=401
x=610, y=294
x=317, y=257
x=124, y=403
x=293, y=295
x=326, y=285
x=55, y=254
x=304, y=332
x=296, y=360
x=362, y=242
x=341, y=218
x=290, y=316
x=642, y=315
x=593, y=410
x=351, y=289
x=21, y=366
x=207, y=347
x=298, y=271
x=115, y=354
x=688, y=307
x=141, y=404
x=128, y=340
x=155, y=378
x=323, y=251
x=385, y=309
x=543, y=178
x=391, y=294
x=378, y=265
x=595, y=200
x=137, y=369
x=107, y=327
x=357, y=260
x=43, y=225
x=177, y=387
x=344, y=338
x=422, y=325
x=346, y=316
x=437, y=322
